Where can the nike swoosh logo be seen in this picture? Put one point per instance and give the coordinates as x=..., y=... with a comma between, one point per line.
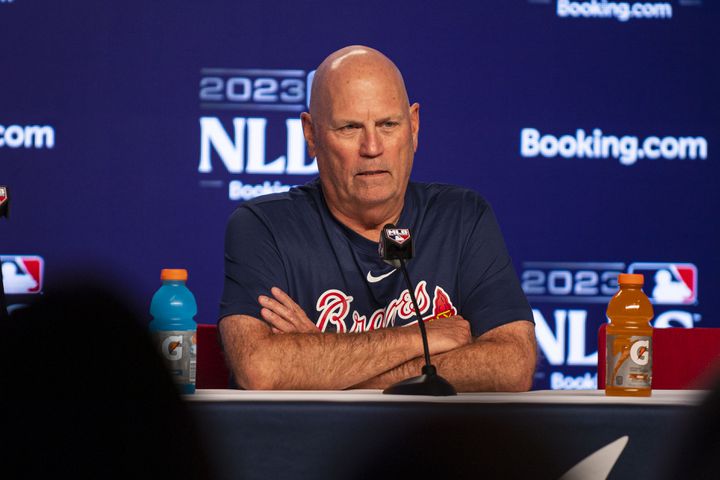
x=373, y=279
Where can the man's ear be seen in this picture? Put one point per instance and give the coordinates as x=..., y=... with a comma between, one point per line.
x=415, y=123
x=308, y=133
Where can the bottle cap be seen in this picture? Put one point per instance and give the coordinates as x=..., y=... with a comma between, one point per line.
x=173, y=274
x=631, y=279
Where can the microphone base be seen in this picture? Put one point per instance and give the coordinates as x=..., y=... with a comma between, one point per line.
x=429, y=383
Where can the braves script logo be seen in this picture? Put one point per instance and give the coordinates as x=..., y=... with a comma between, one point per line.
x=334, y=308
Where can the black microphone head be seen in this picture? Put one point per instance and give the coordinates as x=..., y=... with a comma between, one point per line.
x=4, y=201
x=395, y=244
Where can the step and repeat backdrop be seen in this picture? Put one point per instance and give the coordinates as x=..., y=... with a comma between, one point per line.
x=130, y=130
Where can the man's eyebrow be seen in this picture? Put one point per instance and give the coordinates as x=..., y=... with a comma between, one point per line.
x=340, y=123
x=389, y=118
x=344, y=121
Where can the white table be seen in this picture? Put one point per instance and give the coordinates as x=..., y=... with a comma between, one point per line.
x=567, y=397
x=366, y=434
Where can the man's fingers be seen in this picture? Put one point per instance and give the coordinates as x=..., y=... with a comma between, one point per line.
x=276, y=307
x=284, y=299
x=292, y=311
x=276, y=321
x=284, y=314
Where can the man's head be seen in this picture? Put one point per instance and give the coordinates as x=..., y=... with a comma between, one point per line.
x=363, y=132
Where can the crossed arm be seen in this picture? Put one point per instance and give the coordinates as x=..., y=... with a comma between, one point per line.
x=289, y=353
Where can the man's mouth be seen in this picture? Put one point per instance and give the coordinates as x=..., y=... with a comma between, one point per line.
x=369, y=173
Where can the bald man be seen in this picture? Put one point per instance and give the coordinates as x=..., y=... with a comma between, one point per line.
x=309, y=304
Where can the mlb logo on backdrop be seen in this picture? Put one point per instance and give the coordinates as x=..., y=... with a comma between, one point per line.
x=22, y=274
x=668, y=283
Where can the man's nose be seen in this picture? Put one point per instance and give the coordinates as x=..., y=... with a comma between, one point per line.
x=371, y=144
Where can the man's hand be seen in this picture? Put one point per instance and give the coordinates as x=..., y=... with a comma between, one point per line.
x=445, y=334
x=502, y=359
x=284, y=315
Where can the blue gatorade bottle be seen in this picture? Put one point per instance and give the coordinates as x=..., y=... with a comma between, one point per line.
x=173, y=327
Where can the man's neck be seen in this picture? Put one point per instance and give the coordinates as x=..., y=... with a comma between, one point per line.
x=370, y=222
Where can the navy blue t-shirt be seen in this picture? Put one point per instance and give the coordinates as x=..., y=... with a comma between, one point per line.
x=292, y=241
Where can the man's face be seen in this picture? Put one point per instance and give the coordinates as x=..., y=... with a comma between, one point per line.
x=364, y=137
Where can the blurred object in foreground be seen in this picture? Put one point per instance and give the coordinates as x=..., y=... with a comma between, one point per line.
x=85, y=393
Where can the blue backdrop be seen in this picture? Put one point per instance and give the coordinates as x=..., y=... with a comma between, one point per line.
x=129, y=131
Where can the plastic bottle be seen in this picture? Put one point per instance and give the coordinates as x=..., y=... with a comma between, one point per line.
x=629, y=340
x=174, y=329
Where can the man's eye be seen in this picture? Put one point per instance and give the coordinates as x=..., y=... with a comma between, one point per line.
x=389, y=124
x=349, y=126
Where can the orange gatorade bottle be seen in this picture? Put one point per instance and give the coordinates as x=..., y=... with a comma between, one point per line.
x=629, y=340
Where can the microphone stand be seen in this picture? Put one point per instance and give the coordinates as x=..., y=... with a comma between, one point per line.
x=429, y=382
x=4, y=212
x=3, y=308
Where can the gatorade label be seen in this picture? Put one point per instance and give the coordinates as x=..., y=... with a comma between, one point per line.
x=629, y=361
x=179, y=350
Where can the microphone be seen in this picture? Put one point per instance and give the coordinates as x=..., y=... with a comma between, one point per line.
x=4, y=201
x=4, y=208
x=396, y=246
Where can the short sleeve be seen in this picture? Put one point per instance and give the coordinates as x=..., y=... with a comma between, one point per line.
x=489, y=286
x=252, y=264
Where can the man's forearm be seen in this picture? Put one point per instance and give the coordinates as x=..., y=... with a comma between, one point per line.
x=497, y=361
x=330, y=361
x=318, y=361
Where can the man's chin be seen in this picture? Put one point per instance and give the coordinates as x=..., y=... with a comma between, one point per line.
x=375, y=198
